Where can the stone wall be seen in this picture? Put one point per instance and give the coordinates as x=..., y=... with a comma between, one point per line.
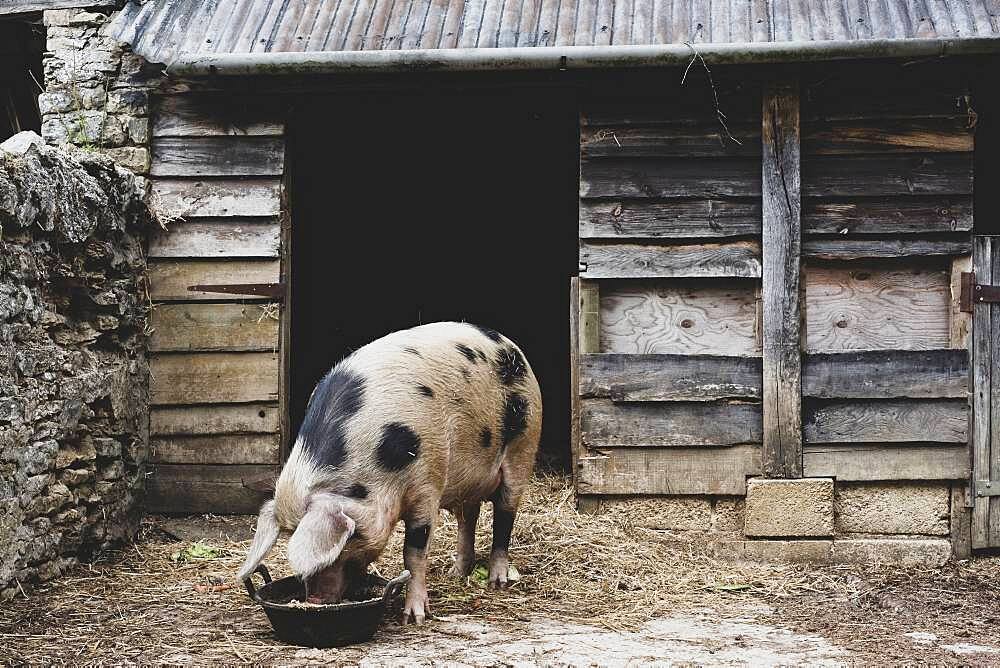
x=96, y=93
x=73, y=370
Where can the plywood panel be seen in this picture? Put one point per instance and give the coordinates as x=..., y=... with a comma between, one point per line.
x=735, y=259
x=605, y=424
x=216, y=449
x=255, y=418
x=193, y=327
x=221, y=237
x=169, y=279
x=707, y=317
x=886, y=462
x=870, y=307
x=180, y=488
x=939, y=421
x=669, y=470
x=177, y=197
x=205, y=378
x=623, y=377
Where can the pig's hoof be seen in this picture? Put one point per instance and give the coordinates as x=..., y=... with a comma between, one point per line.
x=498, y=575
x=415, y=611
x=460, y=570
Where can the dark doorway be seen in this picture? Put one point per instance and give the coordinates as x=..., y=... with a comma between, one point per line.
x=435, y=205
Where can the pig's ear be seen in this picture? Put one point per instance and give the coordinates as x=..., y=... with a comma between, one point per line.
x=320, y=536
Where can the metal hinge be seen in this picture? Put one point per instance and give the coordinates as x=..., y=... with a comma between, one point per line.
x=976, y=293
x=274, y=291
x=988, y=488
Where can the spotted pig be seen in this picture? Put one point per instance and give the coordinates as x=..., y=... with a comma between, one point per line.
x=445, y=415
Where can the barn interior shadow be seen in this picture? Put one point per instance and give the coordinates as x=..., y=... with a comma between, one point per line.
x=410, y=208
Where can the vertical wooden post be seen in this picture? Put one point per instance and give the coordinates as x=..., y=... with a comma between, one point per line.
x=782, y=241
x=588, y=330
x=982, y=390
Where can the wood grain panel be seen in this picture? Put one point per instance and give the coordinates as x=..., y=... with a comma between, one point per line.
x=678, y=219
x=213, y=327
x=918, y=174
x=218, y=156
x=633, y=471
x=938, y=421
x=919, y=135
x=605, y=424
x=169, y=279
x=189, y=198
x=864, y=249
x=735, y=259
x=206, y=378
x=657, y=178
x=622, y=377
x=216, y=449
x=222, y=237
x=869, y=307
x=256, y=418
x=887, y=374
x=180, y=488
x=665, y=141
x=887, y=215
x=209, y=116
x=707, y=317
x=886, y=462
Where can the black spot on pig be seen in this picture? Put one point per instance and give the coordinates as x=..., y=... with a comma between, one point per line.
x=398, y=447
x=486, y=437
x=412, y=351
x=510, y=365
x=515, y=411
x=490, y=334
x=466, y=374
x=469, y=353
x=358, y=491
x=426, y=391
x=337, y=397
x=416, y=537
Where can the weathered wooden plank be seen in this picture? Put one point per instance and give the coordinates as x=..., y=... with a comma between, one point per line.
x=850, y=463
x=575, y=348
x=992, y=471
x=189, y=198
x=169, y=279
x=734, y=259
x=937, y=420
x=892, y=215
x=216, y=449
x=678, y=317
x=590, y=317
x=207, y=116
x=870, y=307
x=664, y=141
x=654, y=219
x=256, y=418
x=605, y=424
x=669, y=470
x=923, y=135
x=742, y=109
x=982, y=390
x=961, y=522
x=213, y=327
x=222, y=237
x=887, y=374
x=781, y=225
x=206, y=378
x=658, y=178
x=622, y=377
x=863, y=249
x=959, y=322
x=918, y=174
x=186, y=488
x=218, y=156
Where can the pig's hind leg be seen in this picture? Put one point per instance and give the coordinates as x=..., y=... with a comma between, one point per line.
x=467, y=515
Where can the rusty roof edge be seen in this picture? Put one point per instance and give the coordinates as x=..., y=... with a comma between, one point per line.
x=569, y=57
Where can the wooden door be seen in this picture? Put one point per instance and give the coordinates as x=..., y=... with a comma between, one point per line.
x=986, y=396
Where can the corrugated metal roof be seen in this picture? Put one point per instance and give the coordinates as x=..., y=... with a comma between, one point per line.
x=163, y=30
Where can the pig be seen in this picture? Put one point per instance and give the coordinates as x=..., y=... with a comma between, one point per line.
x=443, y=415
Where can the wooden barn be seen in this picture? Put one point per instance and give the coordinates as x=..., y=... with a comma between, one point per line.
x=746, y=244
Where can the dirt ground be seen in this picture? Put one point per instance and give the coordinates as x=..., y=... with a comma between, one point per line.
x=593, y=591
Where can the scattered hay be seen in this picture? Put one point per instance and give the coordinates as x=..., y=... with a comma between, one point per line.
x=149, y=604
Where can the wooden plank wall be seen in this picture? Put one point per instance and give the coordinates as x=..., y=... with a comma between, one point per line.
x=215, y=415
x=887, y=220
x=669, y=379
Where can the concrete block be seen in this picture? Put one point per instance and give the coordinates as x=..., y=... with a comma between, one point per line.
x=728, y=514
x=676, y=513
x=928, y=553
x=787, y=551
x=892, y=508
x=800, y=507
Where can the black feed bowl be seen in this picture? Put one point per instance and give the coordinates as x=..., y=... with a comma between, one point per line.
x=333, y=625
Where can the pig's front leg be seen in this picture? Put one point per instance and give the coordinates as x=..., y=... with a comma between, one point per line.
x=418, y=535
x=467, y=516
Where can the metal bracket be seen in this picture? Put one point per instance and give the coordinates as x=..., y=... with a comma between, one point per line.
x=976, y=293
x=274, y=291
x=988, y=488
